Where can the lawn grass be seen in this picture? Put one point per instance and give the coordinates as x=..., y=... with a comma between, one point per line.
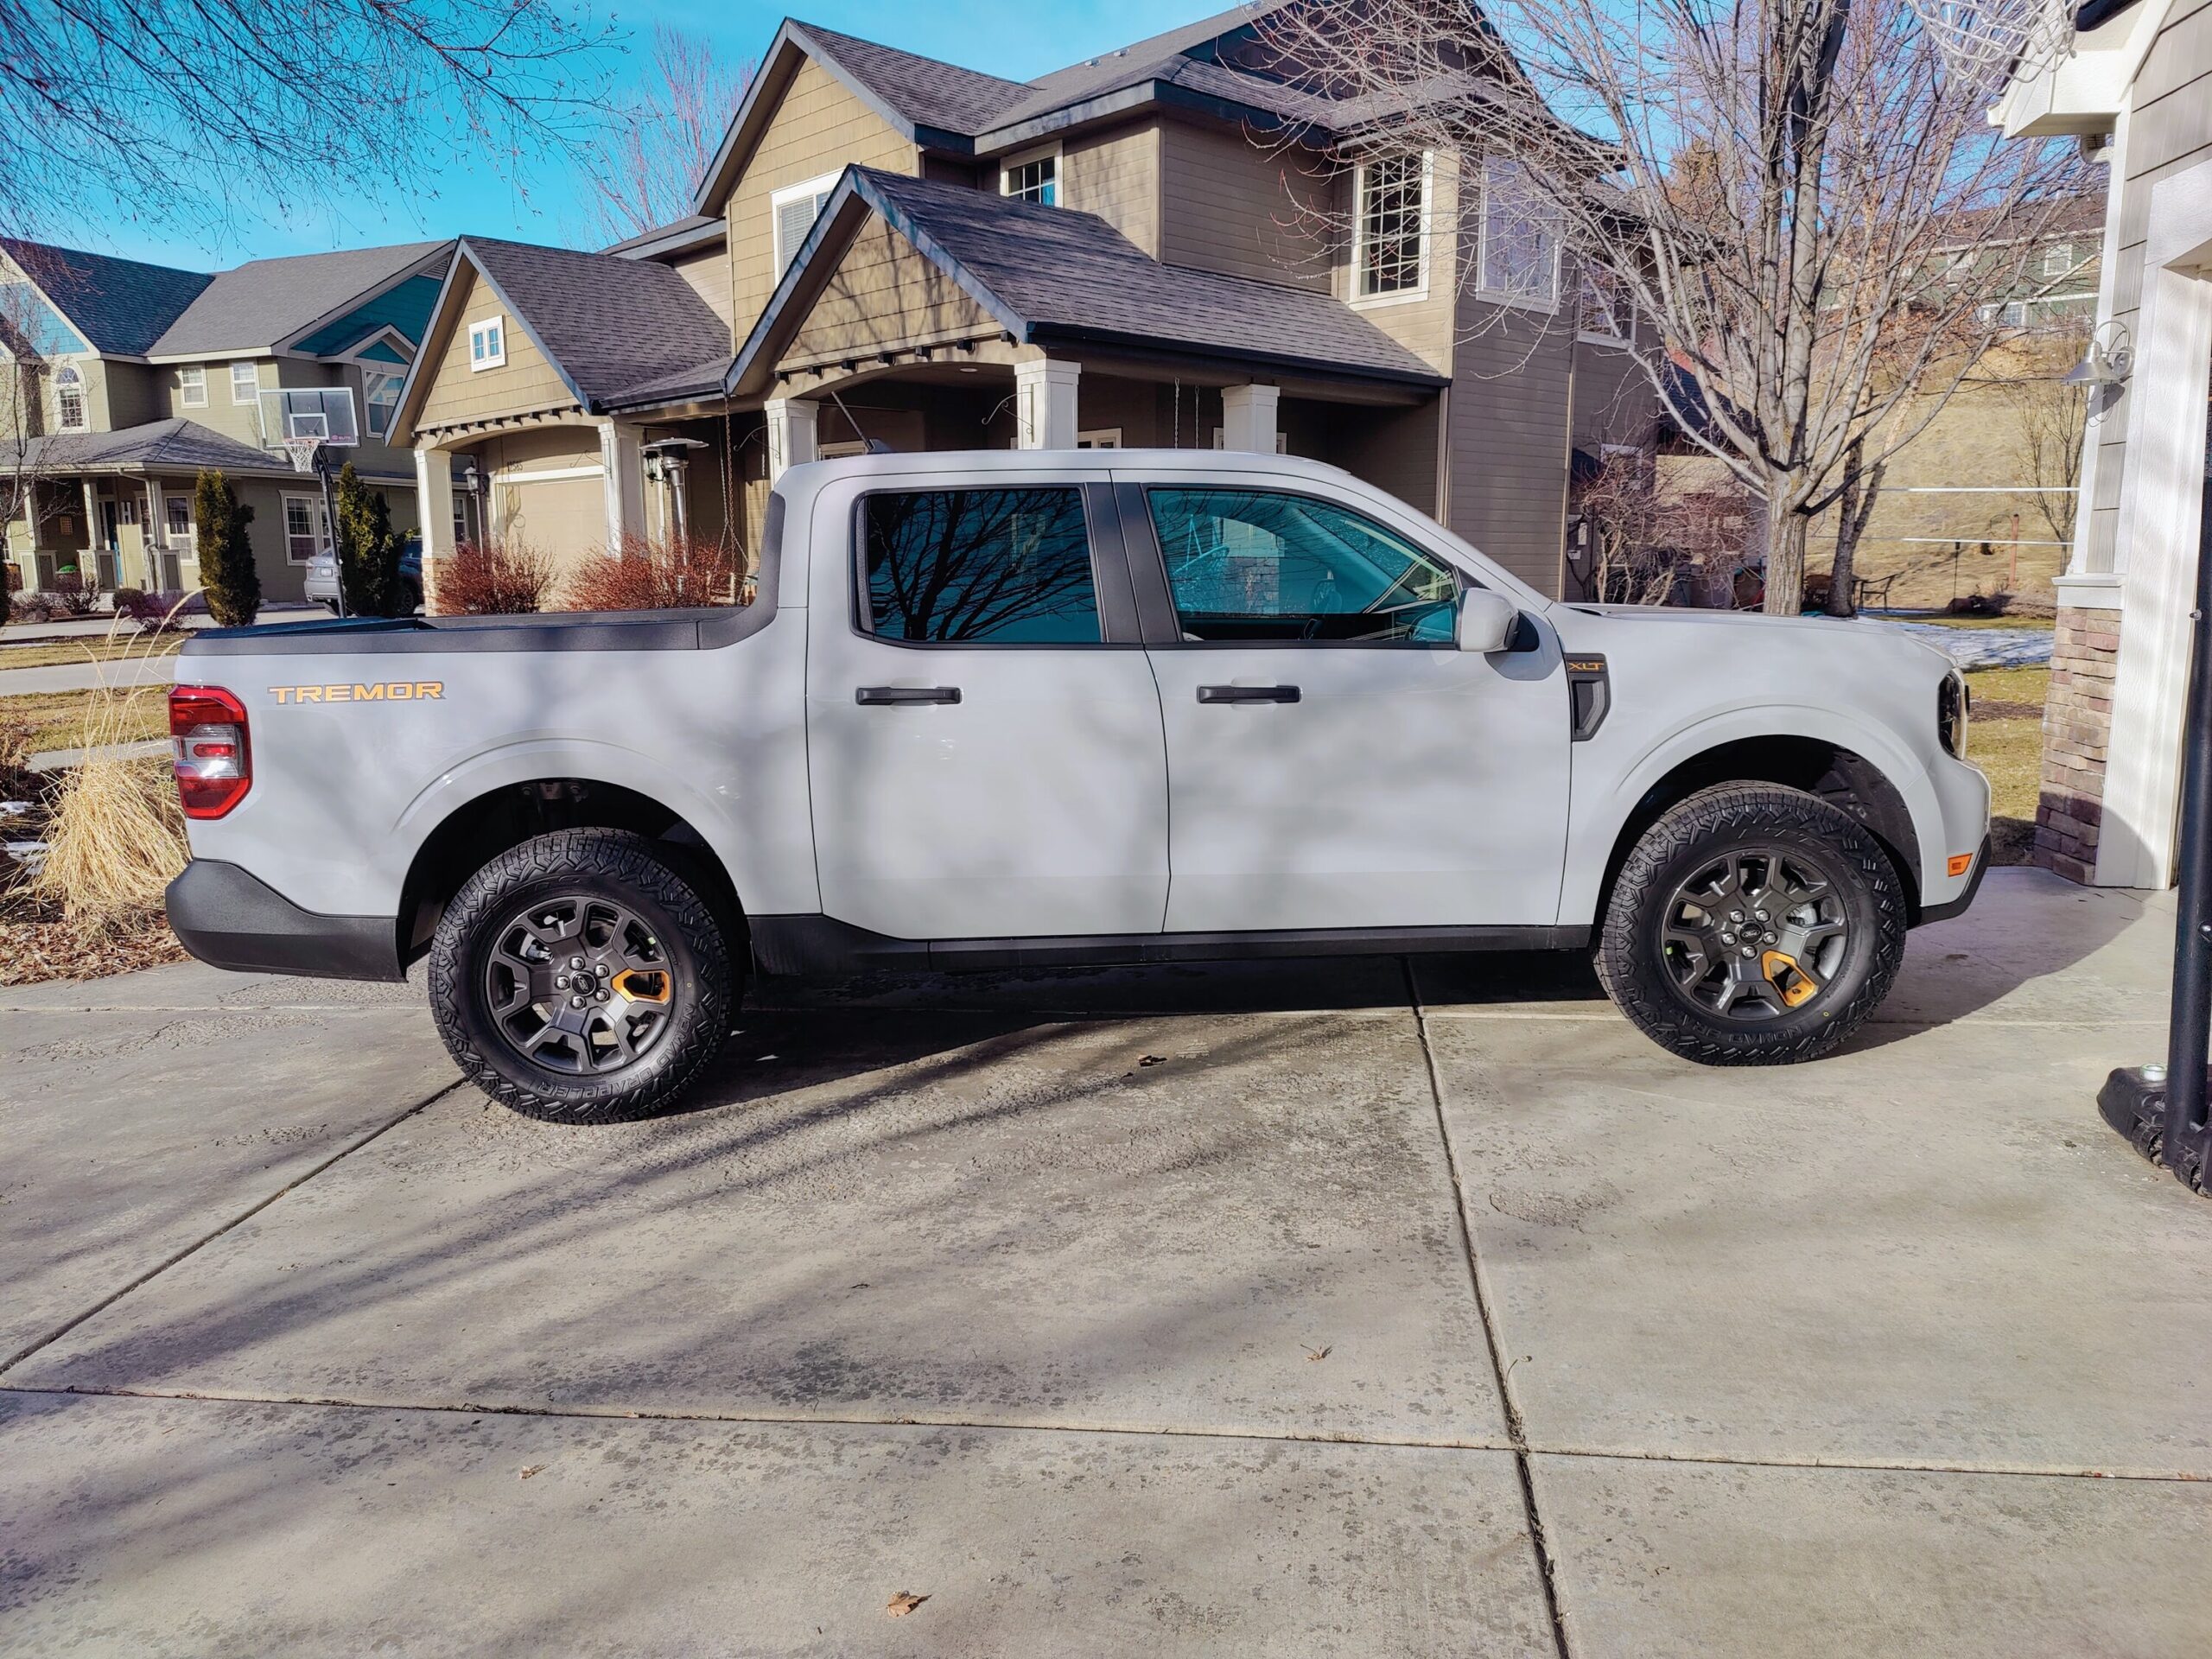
x=55, y=719
x=92, y=648
x=2008, y=750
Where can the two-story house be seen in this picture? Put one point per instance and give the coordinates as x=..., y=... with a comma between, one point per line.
x=1158, y=246
x=133, y=378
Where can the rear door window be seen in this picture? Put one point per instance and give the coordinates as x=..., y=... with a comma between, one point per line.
x=978, y=567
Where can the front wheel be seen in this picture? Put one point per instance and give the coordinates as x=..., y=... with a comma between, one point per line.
x=580, y=978
x=1752, y=925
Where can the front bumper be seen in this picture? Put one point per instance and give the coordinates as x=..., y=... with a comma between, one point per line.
x=228, y=918
x=1957, y=906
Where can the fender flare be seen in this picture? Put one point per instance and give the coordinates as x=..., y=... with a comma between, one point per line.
x=1594, y=826
x=585, y=759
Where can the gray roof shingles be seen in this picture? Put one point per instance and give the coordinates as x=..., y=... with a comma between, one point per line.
x=158, y=446
x=614, y=326
x=927, y=93
x=1073, y=273
x=119, y=306
x=266, y=301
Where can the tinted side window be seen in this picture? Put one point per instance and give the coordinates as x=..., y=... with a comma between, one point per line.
x=970, y=567
x=1257, y=565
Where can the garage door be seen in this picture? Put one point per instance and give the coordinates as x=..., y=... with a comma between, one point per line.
x=564, y=517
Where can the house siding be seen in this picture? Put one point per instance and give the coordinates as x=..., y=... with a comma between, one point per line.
x=708, y=272
x=818, y=127
x=1227, y=204
x=526, y=384
x=884, y=295
x=1512, y=401
x=2168, y=127
x=1116, y=175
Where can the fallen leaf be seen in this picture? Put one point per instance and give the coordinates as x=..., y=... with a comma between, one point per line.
x=1313, y=1354
x=529, y=1468
x=1153, y=1059
x=903, y=1603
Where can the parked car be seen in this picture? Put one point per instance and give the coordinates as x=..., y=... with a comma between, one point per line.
x=321, y=584
x=1024, y=709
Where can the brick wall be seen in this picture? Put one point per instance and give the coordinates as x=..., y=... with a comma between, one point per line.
x=2076, y=723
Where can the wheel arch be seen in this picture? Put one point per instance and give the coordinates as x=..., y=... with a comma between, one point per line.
x=1823, y=766
x=469, y=833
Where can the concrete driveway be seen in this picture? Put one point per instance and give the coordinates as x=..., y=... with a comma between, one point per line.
x=1295, y=1309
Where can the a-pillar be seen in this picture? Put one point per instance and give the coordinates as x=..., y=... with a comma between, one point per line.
x=1248, y=417
x=621, y=454
x=434, y=513
x=792, y=423
x=1045, y=403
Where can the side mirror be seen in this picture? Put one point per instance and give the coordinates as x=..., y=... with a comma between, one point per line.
x=1486, y=621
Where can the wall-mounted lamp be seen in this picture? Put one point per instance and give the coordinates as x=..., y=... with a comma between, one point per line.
x=2109, y=361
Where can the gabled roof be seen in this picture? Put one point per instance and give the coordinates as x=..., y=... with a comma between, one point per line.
x=693, y=230
x=610, y=326
x=118, y=306
x=1051, y=274
x=923, y=91
x=158, y=446
x=265, y=302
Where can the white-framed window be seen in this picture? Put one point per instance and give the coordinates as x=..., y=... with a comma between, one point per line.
x=1104, y=437
x=2058, y=259
x=1519, y=257
x=1390, y=240
x=1033, y=178
x=127, y=510
x=245, y=382
x=69, y=398
x=1603, y=314
x=306, y=528
x=192, y=381
x=488, y=344
x=379, y=399
x=178, y=509
x=794, y=208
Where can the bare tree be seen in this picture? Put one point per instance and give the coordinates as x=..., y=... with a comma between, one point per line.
x=178, y=113
x=663, y=136
x=25, y=453
x=1808, y=213
x=2053, y=421
x=1862, y=488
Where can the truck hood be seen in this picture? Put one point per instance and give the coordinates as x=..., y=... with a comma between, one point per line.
x=1683, y=626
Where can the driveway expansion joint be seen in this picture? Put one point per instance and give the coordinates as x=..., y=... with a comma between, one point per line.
x=207, y=1238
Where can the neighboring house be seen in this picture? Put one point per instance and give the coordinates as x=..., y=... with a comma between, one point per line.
x=2136, y=90
x=1965, y=505
x=132, y=379
x=1144, y=249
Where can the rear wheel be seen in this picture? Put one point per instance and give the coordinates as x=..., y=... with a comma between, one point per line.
x=580, y=978
x=1752, y=925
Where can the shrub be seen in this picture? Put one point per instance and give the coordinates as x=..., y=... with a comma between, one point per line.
x=649, y=576
x=492, y=578
x=157, y=613
x=72, y=595
x=33, y=607
x=227, y=567
x=368, y=550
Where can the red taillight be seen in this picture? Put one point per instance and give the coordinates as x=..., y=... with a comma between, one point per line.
x=215, y=764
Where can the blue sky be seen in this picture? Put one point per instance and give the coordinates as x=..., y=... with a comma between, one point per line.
x=1018, y=39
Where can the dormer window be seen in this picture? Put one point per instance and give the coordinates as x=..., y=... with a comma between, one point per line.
x=488, y=344
x=1389, y=253
x=1035, y=179
x=69, y=399
x=794, y=208
x=192, y=382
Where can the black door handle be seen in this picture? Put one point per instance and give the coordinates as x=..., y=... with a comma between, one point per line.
x=1248, y=694
x=896, y=694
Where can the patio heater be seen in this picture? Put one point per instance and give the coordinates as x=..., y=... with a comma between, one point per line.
x=2161, y=1109
x=666, y=461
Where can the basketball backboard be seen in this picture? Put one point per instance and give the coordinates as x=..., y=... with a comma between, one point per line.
x=325, y=412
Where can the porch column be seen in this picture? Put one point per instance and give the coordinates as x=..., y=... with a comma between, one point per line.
x=621, y=452
x=151, y=543
x=1045, y=403
x=1248, y=417
x=434, y=514
x=2161, y=497
x=791, y=422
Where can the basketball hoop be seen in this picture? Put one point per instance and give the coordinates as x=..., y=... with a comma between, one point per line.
x=1985, y=42
x=302, y=452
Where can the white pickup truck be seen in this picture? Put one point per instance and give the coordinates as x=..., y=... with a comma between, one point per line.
x=1039, y=708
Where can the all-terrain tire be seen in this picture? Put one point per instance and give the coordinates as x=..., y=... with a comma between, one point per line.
x=617, y=865
x=1631, y=955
